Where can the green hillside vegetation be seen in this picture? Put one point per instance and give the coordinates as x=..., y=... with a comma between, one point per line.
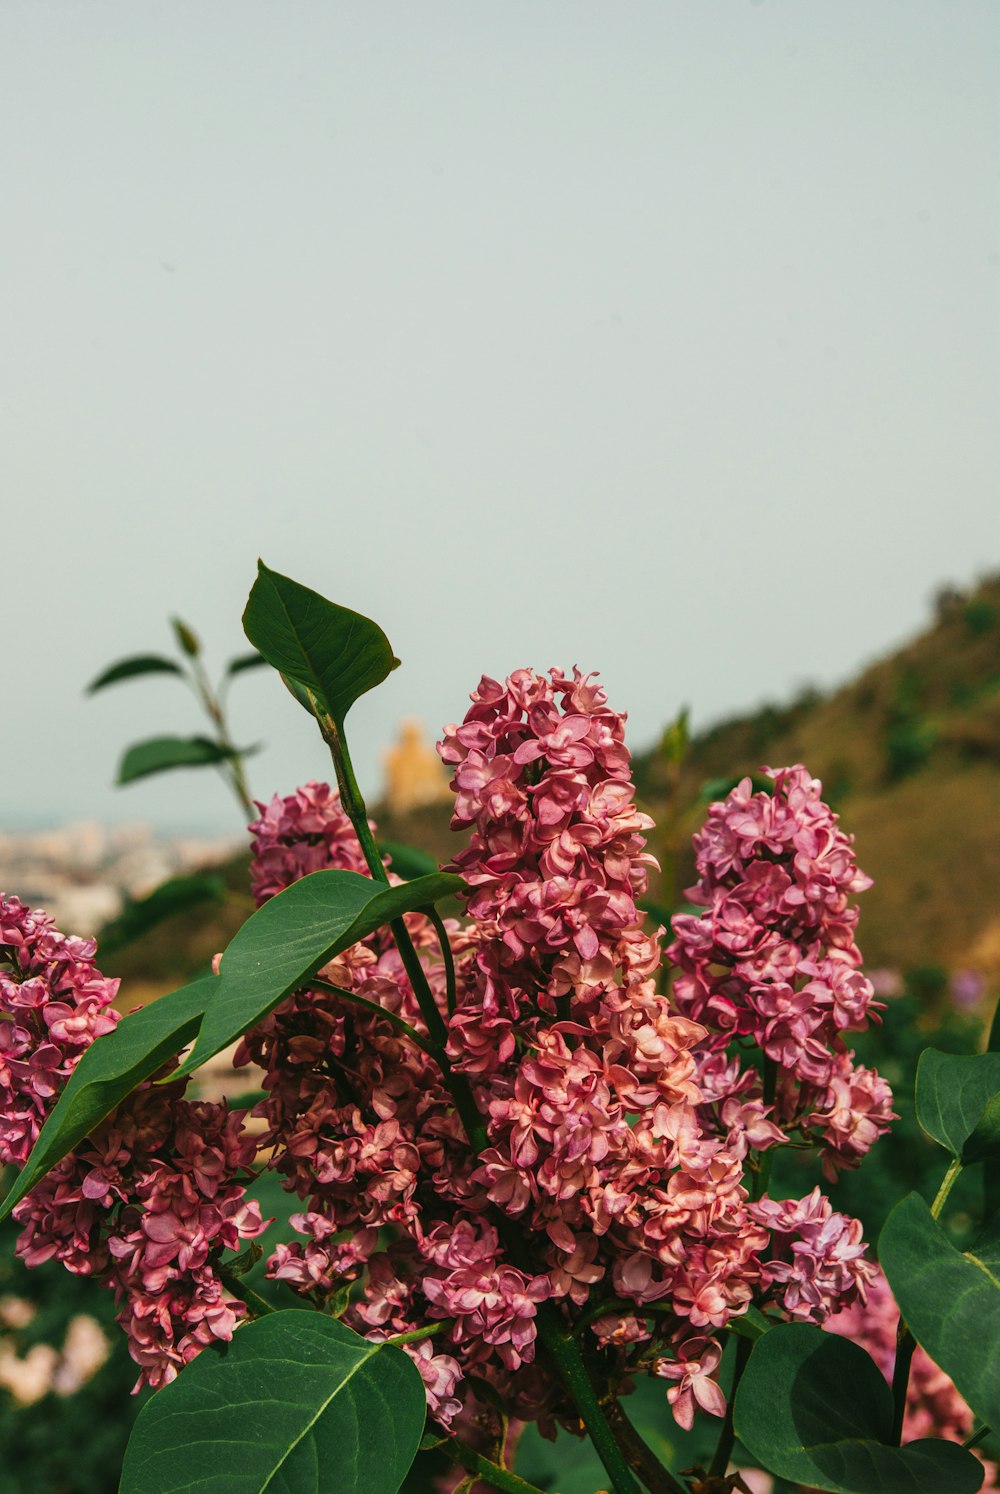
x=909, y=755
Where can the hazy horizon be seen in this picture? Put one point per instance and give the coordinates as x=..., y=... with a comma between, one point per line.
x=663, y=341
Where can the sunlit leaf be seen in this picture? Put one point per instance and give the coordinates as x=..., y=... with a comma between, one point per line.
x=336, y=654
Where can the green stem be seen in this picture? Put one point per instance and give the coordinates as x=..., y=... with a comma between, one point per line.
x=905, y=1342
x=417, y=1333
x=258, y=1307
x=724, y=1447
x=765, y=1160
x=947, y=1183
x=392, y=1018
x=905, y=1346
x=566, y=1356
x=446, y=956
x=350, y=793
x=490, y=1473
x=758, y=1186
x=979, y=1435
x=234, y=765
x=642, y=1459
x=354, y=804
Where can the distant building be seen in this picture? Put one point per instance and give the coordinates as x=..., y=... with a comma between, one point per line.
x=414, y=774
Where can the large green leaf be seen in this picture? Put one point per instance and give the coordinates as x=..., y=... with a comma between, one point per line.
x=332, y=652
x=813, y=1408
x=158, y=754
x=952, y=1092
x=108, y=1071
x=950, y=1298
x=296, y=1404
x=135, y=665
x=292, y=936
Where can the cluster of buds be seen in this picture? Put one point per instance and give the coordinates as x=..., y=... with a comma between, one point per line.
x=772, y=961
x=147, y=1204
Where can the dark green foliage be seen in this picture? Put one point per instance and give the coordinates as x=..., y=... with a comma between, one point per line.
x=309, y=1405
x=407, y=861
x=160, y=754
x=953, y=1096
x=905, y=1158
x=243, y=662
x=908, y=745
x=909, y=736
x=815, y=1409
x=980, y=616
x=132, y=668
x=64, y=1444
x=178, y=895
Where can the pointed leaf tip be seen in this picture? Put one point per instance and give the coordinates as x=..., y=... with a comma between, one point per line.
x=335, y=653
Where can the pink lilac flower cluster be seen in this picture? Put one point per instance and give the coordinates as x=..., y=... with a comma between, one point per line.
x=305, y=832
x=148, y=1203
x=593, y=1157
x=934, y=1407
x=773, y=961
x=53, y=1003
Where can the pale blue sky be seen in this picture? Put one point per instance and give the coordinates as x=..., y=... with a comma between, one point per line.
x=661, y=338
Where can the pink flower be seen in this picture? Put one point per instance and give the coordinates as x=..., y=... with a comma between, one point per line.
x=697, y=1361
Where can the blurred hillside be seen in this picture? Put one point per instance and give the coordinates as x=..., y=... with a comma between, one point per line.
x=909, y=755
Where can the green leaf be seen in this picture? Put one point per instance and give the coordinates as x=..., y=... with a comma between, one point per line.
x=752, y=1323
x=408, y=861
x=243, y=662
x=296, y=1404
x=984, y=1140
x=813, y=1408
x=158, y=754
x=177, y=895
x=292, y=936
x=952, y=1093
x=131, y=668
x=336, y=654
x=950, y=1298
x=108, y=1071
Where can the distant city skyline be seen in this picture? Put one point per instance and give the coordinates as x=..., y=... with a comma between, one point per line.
x=664, y=341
